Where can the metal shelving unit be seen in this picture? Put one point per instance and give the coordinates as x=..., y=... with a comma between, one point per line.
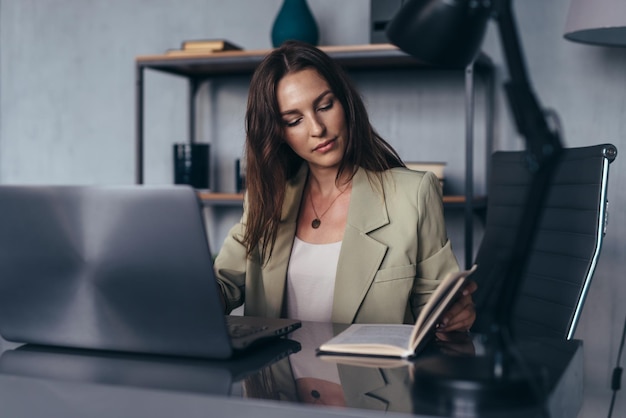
x=198, y=68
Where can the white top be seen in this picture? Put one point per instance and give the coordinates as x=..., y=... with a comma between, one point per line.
x=311, y=280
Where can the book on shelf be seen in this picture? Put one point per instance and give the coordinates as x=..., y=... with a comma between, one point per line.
x=398, y=340
x=210, y=44
x=189, y=52
x=203, y=46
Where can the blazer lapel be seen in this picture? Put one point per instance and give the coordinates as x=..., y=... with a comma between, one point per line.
x=275, y=272
x=361, y=255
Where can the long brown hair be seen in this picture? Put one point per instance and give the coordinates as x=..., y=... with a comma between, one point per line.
x=271, y=162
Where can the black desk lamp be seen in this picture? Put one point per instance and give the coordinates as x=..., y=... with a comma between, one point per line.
x=449, y=33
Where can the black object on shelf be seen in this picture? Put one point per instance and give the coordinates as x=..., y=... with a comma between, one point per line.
x=191, y=165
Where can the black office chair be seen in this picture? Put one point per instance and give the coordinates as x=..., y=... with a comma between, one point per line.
x=566, y=247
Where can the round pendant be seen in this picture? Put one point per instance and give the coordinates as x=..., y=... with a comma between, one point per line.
x=316, y=223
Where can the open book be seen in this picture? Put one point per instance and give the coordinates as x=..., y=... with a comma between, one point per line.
x=393, y=340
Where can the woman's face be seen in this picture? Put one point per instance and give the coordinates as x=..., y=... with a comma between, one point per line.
x=314, y=123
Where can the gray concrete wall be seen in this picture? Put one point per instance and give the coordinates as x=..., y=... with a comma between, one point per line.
x=67, y=111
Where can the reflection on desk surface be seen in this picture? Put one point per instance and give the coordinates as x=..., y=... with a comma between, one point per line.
x=147, y=371
x=307, y=378
x=288, y=372
x=455, y=371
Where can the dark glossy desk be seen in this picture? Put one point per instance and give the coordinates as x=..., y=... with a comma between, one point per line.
x=46, y=382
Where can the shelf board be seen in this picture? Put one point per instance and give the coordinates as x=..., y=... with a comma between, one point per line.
x=236, y=199
x=221, y=199
x=354, y=57
x=458, y=201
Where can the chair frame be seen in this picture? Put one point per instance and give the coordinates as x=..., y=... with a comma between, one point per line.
x=610, y=154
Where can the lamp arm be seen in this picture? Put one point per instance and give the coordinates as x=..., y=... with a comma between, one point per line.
x=543, y=146
x=530, y=118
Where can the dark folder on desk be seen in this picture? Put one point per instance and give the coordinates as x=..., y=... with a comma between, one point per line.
x=122, y=268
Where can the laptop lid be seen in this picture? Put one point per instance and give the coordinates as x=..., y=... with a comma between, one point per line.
x=124, y=268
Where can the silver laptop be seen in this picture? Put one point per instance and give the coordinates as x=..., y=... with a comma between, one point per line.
x=122, y=268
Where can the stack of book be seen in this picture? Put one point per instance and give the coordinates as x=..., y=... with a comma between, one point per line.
x=204, y=46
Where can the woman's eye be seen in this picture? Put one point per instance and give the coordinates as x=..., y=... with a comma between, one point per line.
x=290, y=123
x=327, y=106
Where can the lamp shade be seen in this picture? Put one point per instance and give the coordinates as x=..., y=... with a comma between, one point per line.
x=597, y=22
x=445, y=33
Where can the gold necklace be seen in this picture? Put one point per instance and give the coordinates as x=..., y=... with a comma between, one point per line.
x=315, y=223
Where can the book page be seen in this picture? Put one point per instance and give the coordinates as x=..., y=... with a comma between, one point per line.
x=397, y=335
x=381, y=339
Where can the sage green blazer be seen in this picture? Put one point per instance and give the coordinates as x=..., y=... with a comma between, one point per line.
x=394, y=252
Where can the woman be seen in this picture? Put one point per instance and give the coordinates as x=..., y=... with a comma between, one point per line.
x=335, y=228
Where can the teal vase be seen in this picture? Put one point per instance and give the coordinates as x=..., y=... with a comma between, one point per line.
x=294, y=21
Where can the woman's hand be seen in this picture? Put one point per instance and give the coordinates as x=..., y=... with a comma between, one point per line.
x=461, y=315
x=455, y=343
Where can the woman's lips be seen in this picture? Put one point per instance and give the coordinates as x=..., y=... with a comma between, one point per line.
x=325, y=146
